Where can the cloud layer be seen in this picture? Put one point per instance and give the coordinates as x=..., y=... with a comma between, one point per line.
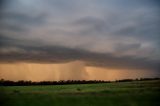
x=108, y=33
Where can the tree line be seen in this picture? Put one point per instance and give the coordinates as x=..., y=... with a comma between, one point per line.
x=64, y=82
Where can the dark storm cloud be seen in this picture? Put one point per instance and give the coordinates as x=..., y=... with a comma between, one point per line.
x=23, y=18
x=18, y=22
x=62, y=55
x=123, y=47
x=104, y=33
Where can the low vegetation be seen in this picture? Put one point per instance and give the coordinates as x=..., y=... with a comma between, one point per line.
x=65, y=82
x=118, y=93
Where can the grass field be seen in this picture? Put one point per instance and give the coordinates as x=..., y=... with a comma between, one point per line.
x=136, y=93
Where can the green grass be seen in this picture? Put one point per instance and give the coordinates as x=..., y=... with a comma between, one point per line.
x=137, y=93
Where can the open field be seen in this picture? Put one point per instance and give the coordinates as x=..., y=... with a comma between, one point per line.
x=136, y=93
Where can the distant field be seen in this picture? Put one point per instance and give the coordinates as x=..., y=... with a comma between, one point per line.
x=136, y=93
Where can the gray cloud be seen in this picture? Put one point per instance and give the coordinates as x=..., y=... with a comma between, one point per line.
x=104, y=33
x=62, y=55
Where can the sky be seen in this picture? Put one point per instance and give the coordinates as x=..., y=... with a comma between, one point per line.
x=102, y=34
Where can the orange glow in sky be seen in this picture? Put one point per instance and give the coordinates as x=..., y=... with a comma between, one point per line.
x=67, y=71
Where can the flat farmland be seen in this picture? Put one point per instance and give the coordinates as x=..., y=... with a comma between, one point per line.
x=135, y=93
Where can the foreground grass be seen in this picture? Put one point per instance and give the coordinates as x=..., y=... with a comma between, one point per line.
x=137, y=93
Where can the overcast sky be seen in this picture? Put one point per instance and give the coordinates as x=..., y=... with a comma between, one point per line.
x=104, y=33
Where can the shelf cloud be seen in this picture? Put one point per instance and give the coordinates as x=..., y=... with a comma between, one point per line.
x=107, y=33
